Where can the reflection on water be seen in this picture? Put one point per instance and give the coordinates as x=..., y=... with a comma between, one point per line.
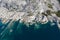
x=14, y=30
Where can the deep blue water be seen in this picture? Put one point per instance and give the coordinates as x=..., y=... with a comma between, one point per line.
x=22, y=32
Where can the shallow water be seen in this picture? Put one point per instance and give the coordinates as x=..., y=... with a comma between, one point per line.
x=14, y=30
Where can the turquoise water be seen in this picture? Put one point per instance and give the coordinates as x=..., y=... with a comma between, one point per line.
x=14, y=30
